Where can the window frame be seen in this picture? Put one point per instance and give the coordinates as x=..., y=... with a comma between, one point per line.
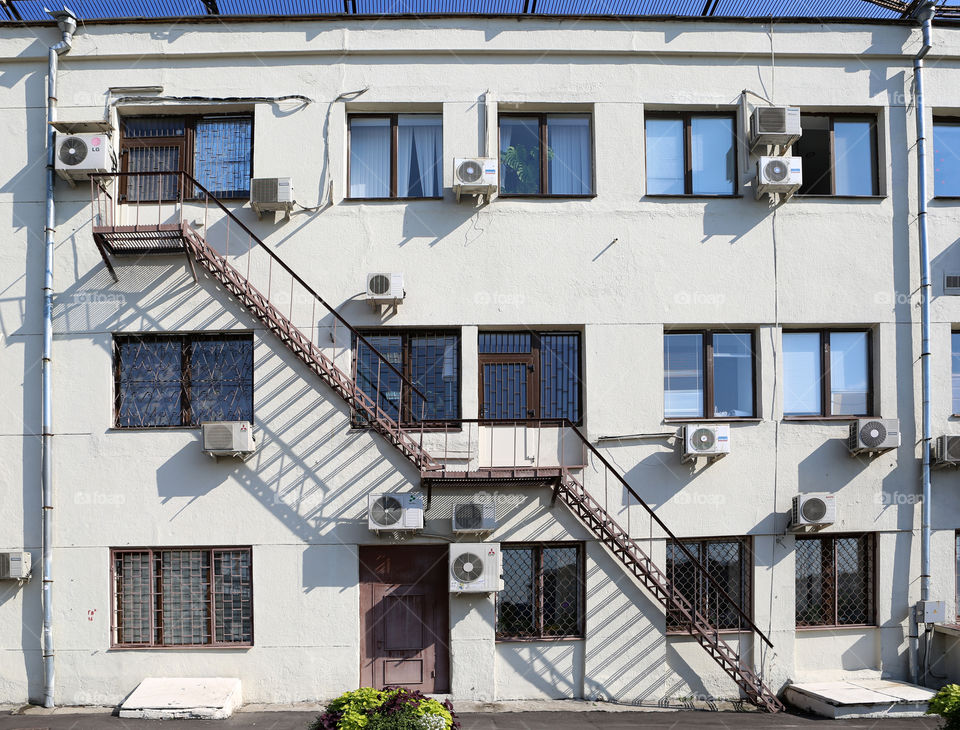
x=949, y=121
x=746, y=574
x=874, y=157
x=708, y=385
x=187, y=338
x=686, y=116
x=826, y=384
x=872, y=589
x=393, y=117
x=114, y=623
x=538, y=548
x=543, y=122
x=187, y=144
x=956, y=556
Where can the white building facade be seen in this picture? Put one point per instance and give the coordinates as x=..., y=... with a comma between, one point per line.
x=625, y=279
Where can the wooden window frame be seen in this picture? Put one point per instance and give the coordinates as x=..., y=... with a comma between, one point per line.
x=708, y=386
x=874, y=156
x=687, y=117
x=872, y=588
x=826, y=390
x=538, y=548
x=543, y=119
x=187, y=340
x=394, y=148
x=949, y=121
x=157, y=595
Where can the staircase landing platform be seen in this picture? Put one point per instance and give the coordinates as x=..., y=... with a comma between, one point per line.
x=859, y=698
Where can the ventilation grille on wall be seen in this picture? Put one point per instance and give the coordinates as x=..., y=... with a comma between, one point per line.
x=951, y=284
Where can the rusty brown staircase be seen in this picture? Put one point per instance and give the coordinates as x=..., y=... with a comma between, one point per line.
x=116, y=236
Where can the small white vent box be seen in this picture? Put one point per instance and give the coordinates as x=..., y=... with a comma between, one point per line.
x=79, y=155
x=14, y=566
x=228, y=438
x=475, y=176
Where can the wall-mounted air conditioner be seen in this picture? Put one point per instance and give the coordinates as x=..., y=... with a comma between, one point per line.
x=475, y=176
x=385, y=288
x=813, y=510
x=228, y=438
x=79, y=155
x=475, y=567
x=270, y=194
x=774, y=126
x=14, y=566
x=395, y=511
x=869, y=435
x=705, y=439
x=474, y=517
x=782, y=175
x=946, y=451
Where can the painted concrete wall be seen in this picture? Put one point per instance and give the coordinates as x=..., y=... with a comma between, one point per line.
x=619, y=267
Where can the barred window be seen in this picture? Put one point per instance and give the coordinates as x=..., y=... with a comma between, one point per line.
x=542, y=596
x=182, y=380
x=182, y=597
x=729, y=562
x=835, y=580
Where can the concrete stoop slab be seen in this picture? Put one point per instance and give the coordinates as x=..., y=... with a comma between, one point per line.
x=859, y=698
x=174, y=698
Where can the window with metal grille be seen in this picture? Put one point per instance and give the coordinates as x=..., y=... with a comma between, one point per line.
x=956, y=555
x=182, y=380
x=729, y=562
x=530, y=375
x=542, y=596
x=709, y=375
x=216, y=150
x=835, y=580
x=182, y=597
x=429, y=360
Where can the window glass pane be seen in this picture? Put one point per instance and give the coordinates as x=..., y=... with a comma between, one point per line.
x=504, y=342
x=150, y=389
x=134, y=600
x=854, y=591
x=724, y=561
x=814, y=147
x=435, y=370
x=134, y=127
x=955, y=359
x=184, y=614
x=374, y=376
x=683, y=577
x=221, y=379
x=222, y=155
x=801, y=374
x=369, y=158
x=683, y=376
x=419, y=156
x=665, y=169
x=854, y=163
x=813, y=570
x=712, y=155
x=849, y=377
x=560, y=376
x=569, y=155
x=516, y=613
x=561, y=591
x=233, y=596
x=957, y=555
x=733, y=375
x=946, y=159
x=519, y=155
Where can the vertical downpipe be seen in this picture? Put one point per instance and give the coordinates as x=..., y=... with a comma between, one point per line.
x=67, y=24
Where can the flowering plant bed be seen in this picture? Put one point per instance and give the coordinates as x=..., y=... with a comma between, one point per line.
x=392, y=708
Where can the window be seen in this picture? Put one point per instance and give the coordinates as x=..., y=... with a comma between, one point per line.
x=728, y=561
x=957, y=557
x=530, y=375
x=182, y=597
x=835, y=580
x=396, y=156
x=691, y=154
x=182, y=380
x=546, y=154
x=955, y=370
x=542, y=596
x=946, y=157
x=839, y=155
x=708, y=375
x=216, y=150
x=827, y=373
x=429, y=360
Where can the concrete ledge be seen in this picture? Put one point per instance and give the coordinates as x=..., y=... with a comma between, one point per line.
x=859, y=698
x=170, y=698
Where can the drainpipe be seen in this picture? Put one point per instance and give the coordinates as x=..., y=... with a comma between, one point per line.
x=67, y=24
x=924, y=14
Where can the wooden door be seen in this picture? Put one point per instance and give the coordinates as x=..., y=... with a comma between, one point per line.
x=404, y=617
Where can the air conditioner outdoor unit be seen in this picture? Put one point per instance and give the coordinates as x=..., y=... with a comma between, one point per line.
x=946, y=451
x=228, y=438
x=14, y=566
x=782, y=175
x=475, y=176
x=475, y=567
x=775, y=126
x=703, y=439
x=474, y=517
x=385, y=288
x=873, y=434
x=395, y=511
x=813, y=510
x=79, y=155
x=270, y=194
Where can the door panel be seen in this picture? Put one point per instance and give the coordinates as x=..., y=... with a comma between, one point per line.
x=504, y=390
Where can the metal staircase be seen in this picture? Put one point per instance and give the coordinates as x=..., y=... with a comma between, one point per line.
x=172, y=232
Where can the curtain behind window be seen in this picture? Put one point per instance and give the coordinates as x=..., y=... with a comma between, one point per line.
x=419, y=156
x=370, y=158
x=222, y=155
x=569, y=167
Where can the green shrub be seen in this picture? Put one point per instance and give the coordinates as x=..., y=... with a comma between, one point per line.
x=393, y=708
x=946, y=703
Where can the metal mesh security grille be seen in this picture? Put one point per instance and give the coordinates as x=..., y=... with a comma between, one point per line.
x=182, y=380
x=543, y=592
x=194, y=597
x=835, y=580
x=728, y=561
